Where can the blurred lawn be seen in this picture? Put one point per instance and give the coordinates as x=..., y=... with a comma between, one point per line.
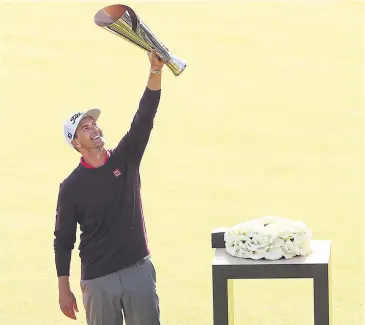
x=266, y=119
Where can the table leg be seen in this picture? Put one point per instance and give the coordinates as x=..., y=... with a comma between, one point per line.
x=223, y=300
x=322, y=297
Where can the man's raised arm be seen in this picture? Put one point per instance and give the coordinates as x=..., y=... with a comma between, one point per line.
x=134, y=143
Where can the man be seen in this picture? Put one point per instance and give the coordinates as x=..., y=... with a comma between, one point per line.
x=102, y=195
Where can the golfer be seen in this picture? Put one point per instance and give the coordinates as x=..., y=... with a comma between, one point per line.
x=102, y=195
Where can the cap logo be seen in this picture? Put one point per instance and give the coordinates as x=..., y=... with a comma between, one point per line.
x=69, y=135
x=73, y=118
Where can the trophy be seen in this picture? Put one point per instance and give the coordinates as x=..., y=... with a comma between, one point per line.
x=122, y=21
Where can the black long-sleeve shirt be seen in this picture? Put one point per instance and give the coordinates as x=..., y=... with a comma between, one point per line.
x=106, y=203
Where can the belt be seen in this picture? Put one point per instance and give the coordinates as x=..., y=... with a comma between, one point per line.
x=141, y=261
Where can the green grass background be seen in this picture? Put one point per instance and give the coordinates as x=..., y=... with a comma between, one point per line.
x=267, y=119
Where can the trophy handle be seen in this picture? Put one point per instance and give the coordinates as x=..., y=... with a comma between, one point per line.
x=134, y=19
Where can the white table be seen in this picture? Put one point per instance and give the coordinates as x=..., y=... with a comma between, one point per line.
x=226, y=268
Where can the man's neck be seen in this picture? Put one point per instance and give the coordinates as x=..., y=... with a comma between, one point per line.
x=95, y=157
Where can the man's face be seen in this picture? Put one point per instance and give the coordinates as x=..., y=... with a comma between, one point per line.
x=88, y=135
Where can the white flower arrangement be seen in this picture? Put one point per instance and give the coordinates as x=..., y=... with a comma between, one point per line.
x=269, y=238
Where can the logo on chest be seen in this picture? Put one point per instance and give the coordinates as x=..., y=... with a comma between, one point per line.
x=117, y=172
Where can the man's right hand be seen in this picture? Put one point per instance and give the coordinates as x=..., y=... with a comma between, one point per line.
x=67, y=302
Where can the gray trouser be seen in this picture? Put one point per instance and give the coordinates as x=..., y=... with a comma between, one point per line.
x=128, y=294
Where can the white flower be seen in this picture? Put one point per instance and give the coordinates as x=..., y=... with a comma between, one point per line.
x=303, y=244
x=258, y=254
x=262, y=241
x=249, y=246
x=299, y=226
x=268, y=237
x=249, y=227
x=277, y=242
x=274, y=253
x=289, y=250
x=271, y=220
x=234, y=235
x=231, y=249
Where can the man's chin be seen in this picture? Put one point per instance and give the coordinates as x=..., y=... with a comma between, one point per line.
x=99, y=142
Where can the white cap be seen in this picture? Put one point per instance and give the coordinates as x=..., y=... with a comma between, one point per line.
x=70, y=126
